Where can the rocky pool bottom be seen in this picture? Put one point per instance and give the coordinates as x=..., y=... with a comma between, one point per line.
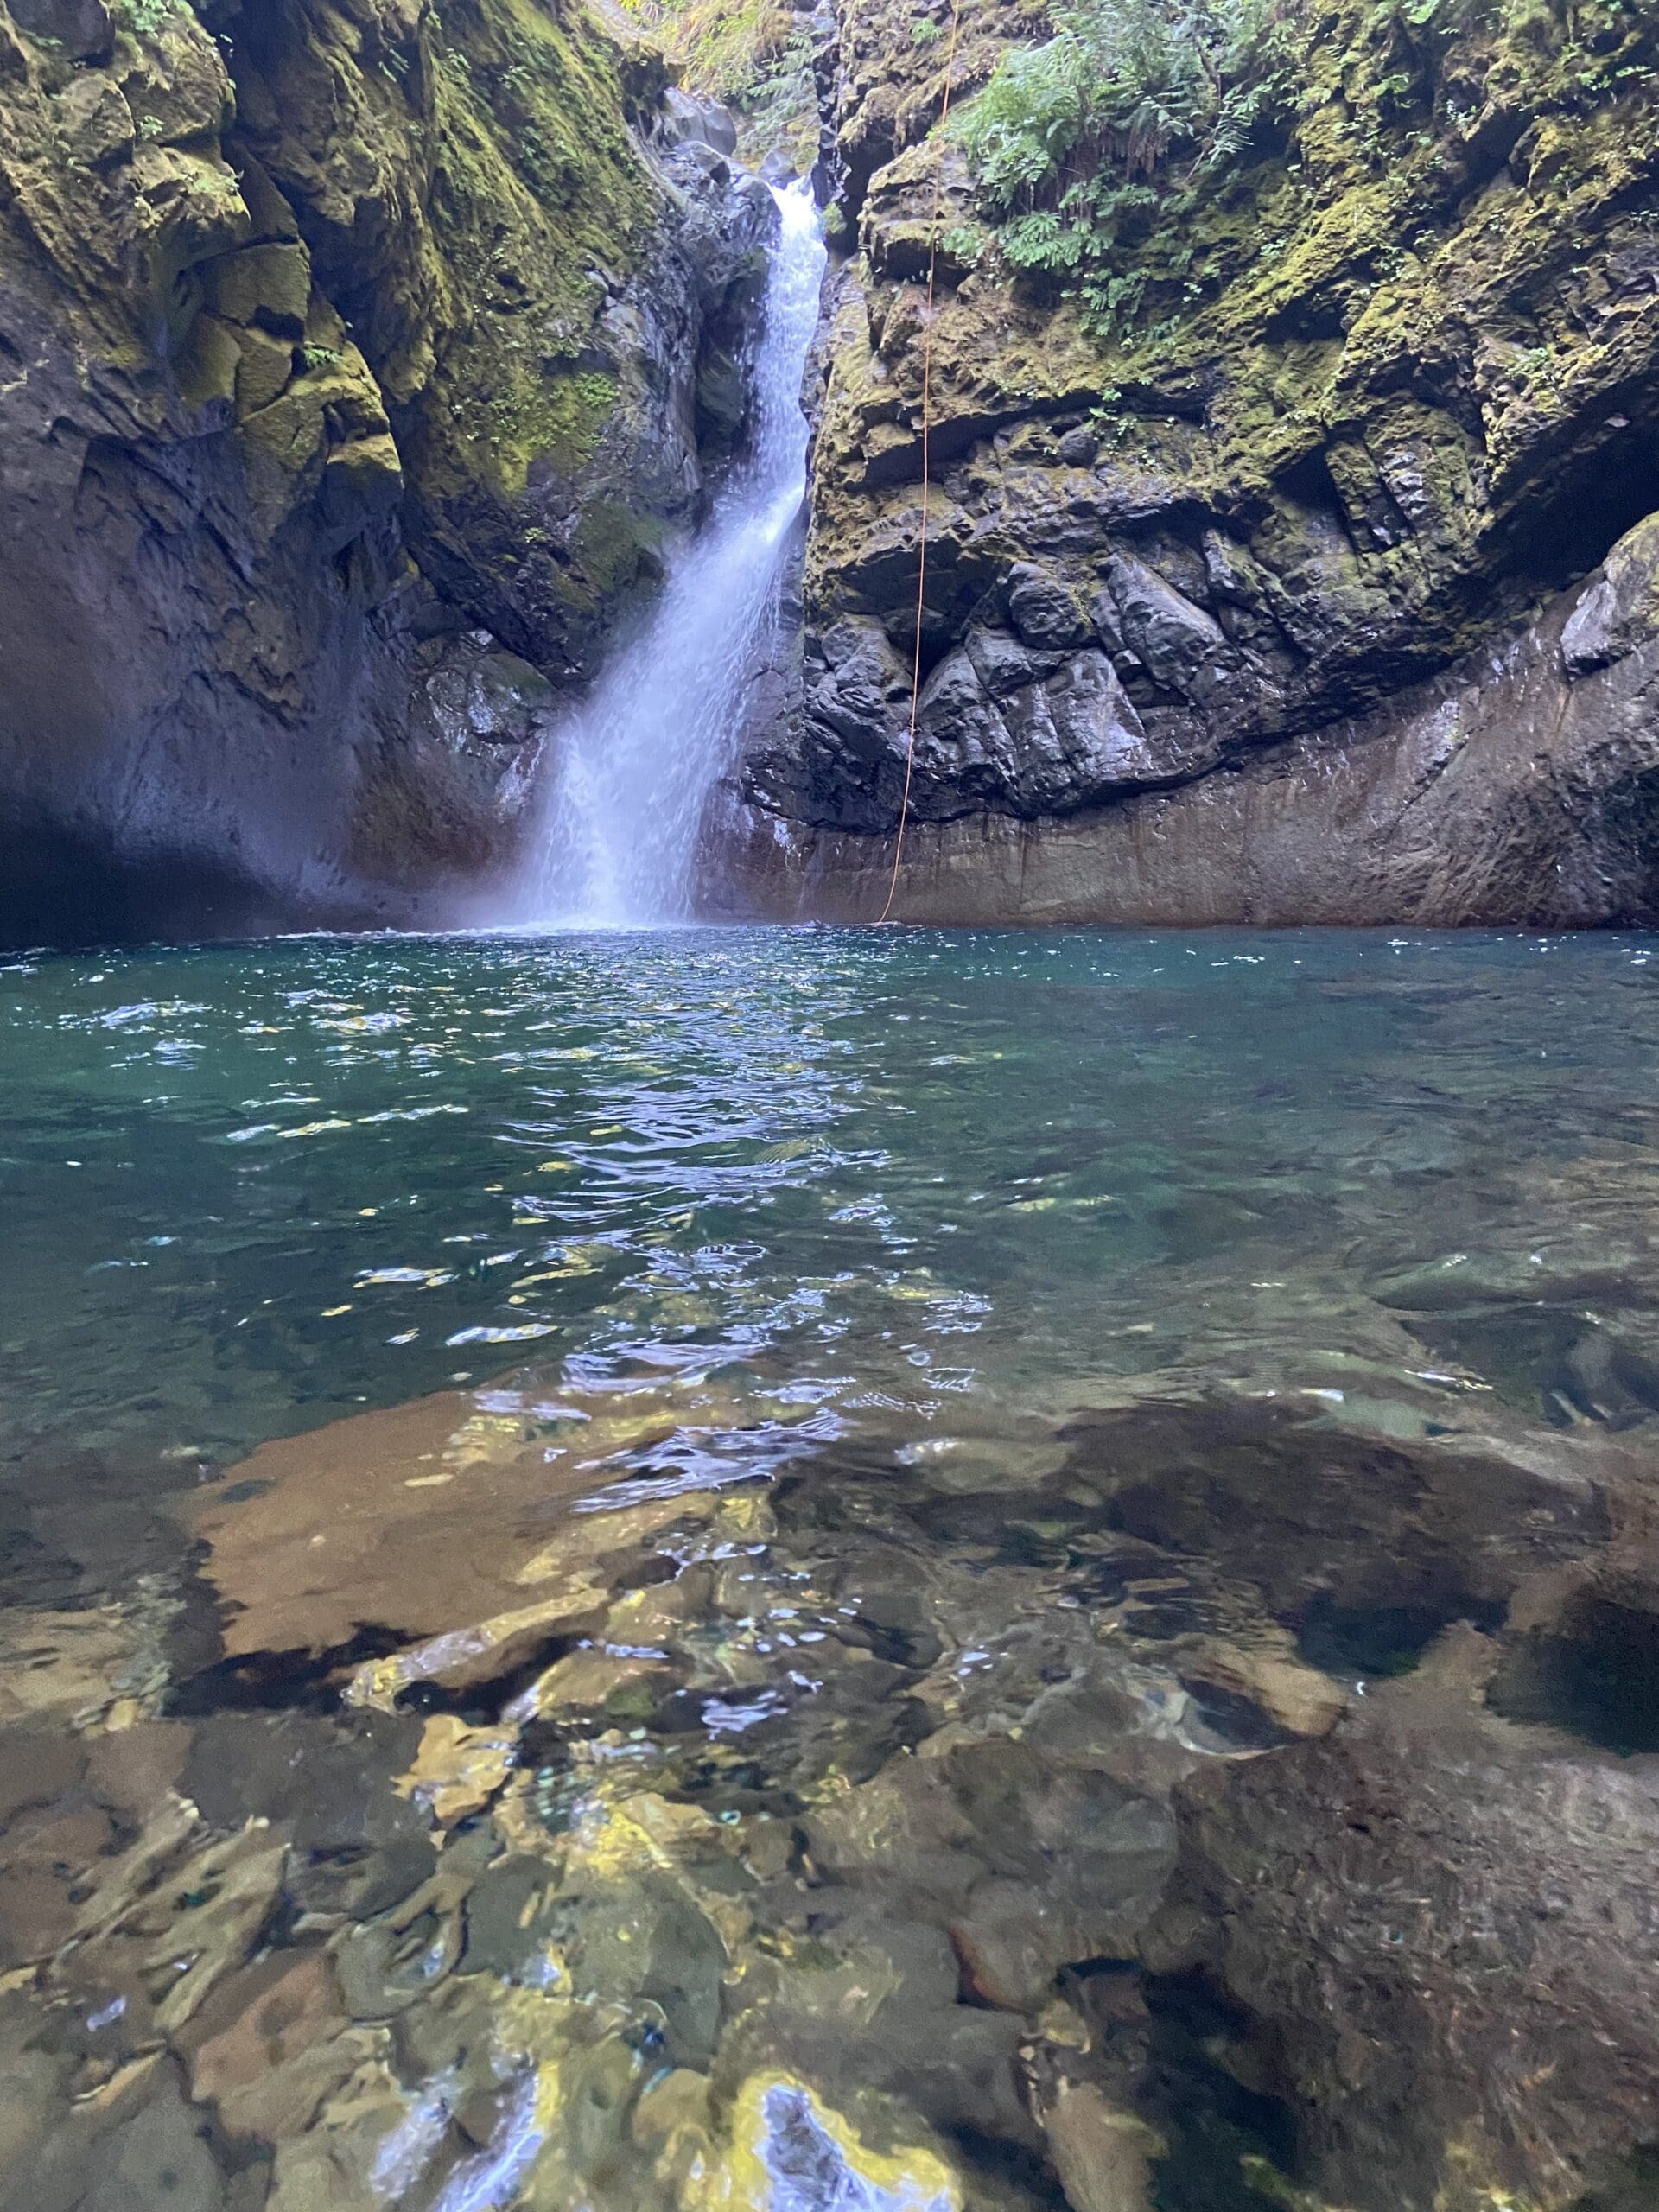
x=835, y=1570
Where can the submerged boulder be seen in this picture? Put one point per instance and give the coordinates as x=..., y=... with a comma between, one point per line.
x=1439, y=1927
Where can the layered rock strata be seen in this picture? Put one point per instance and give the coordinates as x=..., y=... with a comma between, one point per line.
x=1521, y=784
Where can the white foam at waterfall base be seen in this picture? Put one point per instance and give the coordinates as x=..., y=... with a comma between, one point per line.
x=631, y=769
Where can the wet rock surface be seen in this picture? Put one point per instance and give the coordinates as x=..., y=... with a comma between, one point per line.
x=370, y=363
x=1516, y=785
x=822, y=1895
x=1188, y=575
x=1445, y=1944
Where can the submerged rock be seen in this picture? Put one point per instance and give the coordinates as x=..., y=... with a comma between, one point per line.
x=1440, y=1929
x=428, y=1522
x=1102, y=2154
x=1174, y=1786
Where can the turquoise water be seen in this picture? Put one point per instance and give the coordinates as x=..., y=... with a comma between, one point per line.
x=880, y=1230
x=246, y=1189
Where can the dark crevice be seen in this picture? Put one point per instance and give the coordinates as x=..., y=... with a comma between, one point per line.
x=1008, y=2164
x=1218, y=2129
x=1591, y=499
x=1375, y=1642
x=1594, y=1677
x=280, y=1681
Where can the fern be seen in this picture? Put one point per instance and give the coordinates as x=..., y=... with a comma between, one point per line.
x=147, y=18
x=1129, y=98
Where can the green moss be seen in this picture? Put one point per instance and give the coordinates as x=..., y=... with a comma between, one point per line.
x=145, y=18
x=756, y=57
x=538, y=195
x=722, y=49
x=511, y=126
x=557, y=418
x=614, y=543
x=1316, y=143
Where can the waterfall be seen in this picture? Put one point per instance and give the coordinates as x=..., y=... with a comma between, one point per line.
x=635, y=766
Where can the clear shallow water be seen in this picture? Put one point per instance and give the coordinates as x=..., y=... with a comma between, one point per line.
x=246, y=1189
x=834, y=1350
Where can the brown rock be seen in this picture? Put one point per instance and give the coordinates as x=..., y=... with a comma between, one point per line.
x=458, y=1770
x=35, y=1767
x=133, y=1769
x=264, y=369
x=1303, y=1702
x=267, y=2058
x=1102, y=2154
x=81, y=28
x=1442, y=1927
x=432, y=1520
x=269, y=285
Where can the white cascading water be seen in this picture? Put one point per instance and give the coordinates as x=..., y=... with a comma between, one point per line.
x=635, y=766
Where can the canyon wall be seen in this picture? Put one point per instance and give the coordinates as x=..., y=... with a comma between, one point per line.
x=1244, y=603
x=359, y=359
x=355, y=360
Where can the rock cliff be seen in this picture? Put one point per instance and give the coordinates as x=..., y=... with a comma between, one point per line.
x=354, y=360
x=1256, y=565
x=1289, y=559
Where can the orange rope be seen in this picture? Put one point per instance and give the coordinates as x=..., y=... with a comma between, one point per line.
x=927, y=394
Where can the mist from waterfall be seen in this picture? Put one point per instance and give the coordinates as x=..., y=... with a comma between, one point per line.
x=633, y=767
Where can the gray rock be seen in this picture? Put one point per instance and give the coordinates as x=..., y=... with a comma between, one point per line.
x=1003, y=664
x=482, y=693
x=141, y=2146
x=1098, y=743
x=643, y=1940
x=82, y=28
x=1182, y=646
x=862, y=683
x=690, y=121
x=1619, y=610
x=1044, y=612
x=222, y=704
x=1101, y=2152
x=1043, y=748
x=1500, y=792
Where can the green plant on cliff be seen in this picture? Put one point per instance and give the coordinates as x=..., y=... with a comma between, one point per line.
x=722, y=48
x=149, y=18
x=1075, y=141
x=753, y=55
x=1098, y=153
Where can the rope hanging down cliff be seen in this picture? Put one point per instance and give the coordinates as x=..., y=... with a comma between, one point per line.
x=927, y=396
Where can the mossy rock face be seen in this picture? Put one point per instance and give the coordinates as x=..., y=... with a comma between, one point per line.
x=1392, y=380
x=342, y=316
x=478, y=207
x=81, y=29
